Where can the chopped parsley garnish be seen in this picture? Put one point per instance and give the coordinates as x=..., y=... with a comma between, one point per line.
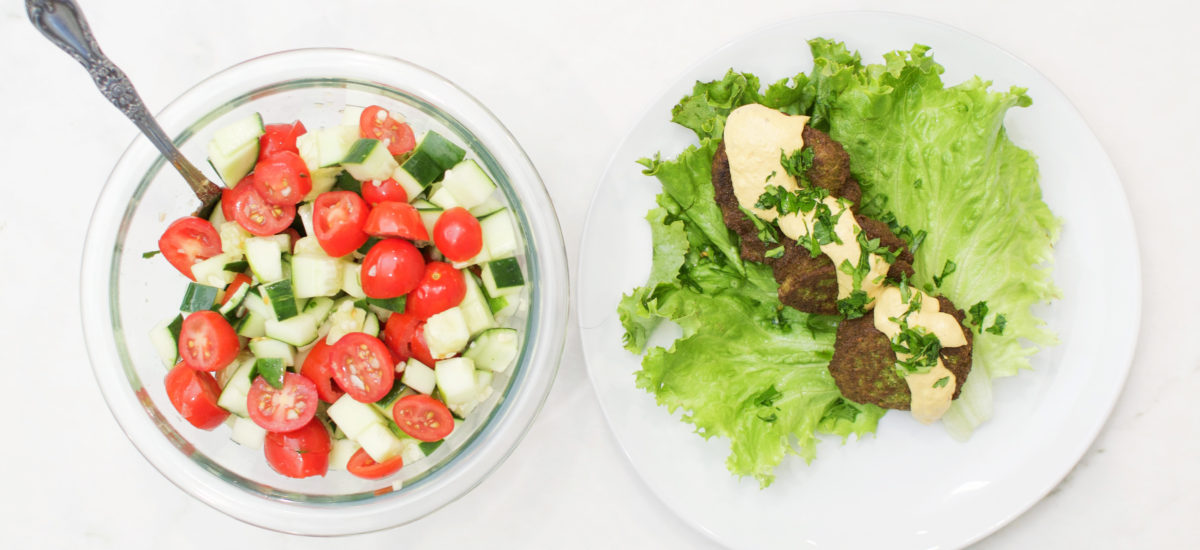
x=805, y=200
x=770, y=176
x=151, y=253
x=776, y=252
x=871, y=246
x=941, y=382
x=921, y=347
x=998, y=325
x=978, y=313
x=798, y=163
x=842, y=409
x=917, y=240
x=854, y=305
x=946, y=271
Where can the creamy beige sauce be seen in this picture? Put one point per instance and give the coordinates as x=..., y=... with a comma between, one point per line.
x=754, y=137
x=847, y=229
x=929, y=403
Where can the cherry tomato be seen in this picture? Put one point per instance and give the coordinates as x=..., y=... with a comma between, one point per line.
x=442, y=287
x=299, y=453
x=338, y=218
x=396, y=219
x=457, y=235
x=362, y=465
x=187, y=241
x=284, y=409
x=280, y=137
x=227, y=197
x=392, y=268
x=207, y=342
x=419, y=349
x=362, y=366
x=194, y=394
x=282, y=178
x=375, y=192
x=318, y=367
x=239, y=280
x=398, y=335
x=376, y=123
x=254, y=214
x=423, y=417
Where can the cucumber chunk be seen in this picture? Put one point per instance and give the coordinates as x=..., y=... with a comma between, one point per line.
x=446, y=333
x=270, y=348
x=342, y=451
x=246, y=433
x=456, y=380
x=499, y=237
x=379, y=442
x=419, y=377
x=165, y=338
x=233, y=397
x=265, y=258
x=494, y=349
x=503, y=277
x=468, y=183
x=282, y=299
x=198, y=297
x=233, y=149
x=316, y=276
x=353, y=417
x=369, y=159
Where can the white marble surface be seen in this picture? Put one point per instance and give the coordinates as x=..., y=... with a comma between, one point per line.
x=569, y=79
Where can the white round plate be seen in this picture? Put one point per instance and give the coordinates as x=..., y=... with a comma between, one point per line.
x=910, y=486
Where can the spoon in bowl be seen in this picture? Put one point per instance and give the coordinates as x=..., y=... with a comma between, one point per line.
x=63, y=23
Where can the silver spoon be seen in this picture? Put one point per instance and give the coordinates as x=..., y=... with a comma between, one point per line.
x=63, y=23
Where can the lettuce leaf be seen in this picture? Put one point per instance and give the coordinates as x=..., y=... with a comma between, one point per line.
x=753, y=371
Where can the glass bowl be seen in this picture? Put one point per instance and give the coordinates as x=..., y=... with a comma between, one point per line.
x=125, y=295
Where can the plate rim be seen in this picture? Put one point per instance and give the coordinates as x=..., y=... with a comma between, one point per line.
x=1136, y=299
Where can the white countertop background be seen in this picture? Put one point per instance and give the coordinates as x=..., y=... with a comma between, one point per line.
x=569, y=79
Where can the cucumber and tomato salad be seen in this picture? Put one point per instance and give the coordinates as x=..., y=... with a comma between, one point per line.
x=347, y=299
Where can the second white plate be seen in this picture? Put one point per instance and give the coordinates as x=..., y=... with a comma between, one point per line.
x=910, y=486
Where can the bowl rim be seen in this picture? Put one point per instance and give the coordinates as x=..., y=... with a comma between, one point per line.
x=478, y=456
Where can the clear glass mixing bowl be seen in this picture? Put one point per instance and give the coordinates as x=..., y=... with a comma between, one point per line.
x=125, y=295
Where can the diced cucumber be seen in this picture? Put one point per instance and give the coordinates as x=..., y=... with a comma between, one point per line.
x=224, y=375
x=443, y=199
x=245, y=432
x=282, y=299
x=352, y=416
x=300, y=330
x=270, y=369
x=419, y=377
x=310, y=152
x=198, y=297
x=212, y=271
x=463, y=409
x=499, y=237
x=334, y=143
x=475, y=307
x=431, y=158
x=429, y=213
x=479, y=259
x=411, y=187
x=371, y=324
x=352, y=279
x=446, y=333
x=369, y=159
x=217, y=217
x=352, y=116
x=322, y=181
x=412, y=451
x=232, y=303
x=468, y=183
x=253, y=325
x=234, y=149
x=456, y=379
x=503, y=277
x=267, y=348
x=395, y=305
x=315, y=276
x=384, y=404
x=265, y=257
x=318, y=309
x=342, y=451
x=489, y=206
x=379, y=442
x=345, y=319
x=233, y=238
x=255, y=303
x=494, y=349
x=165, y=338
x=233, y=397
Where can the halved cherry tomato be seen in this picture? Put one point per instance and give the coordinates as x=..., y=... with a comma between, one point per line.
x=338, y=218
x=187, y=241
x=256, y=215
x=398, y=334
x=207, y=342
x=299, y=453
x=457, y=234
x=284, y=409
x=282, y=178
x=423, y=417
x=375, y=192
x=442, y=287
x=362, y=366
x=318, y=367
x=376, y=123
x=280, y=137
x=194, y=394
x=227, y=197
x=419, y=349
x=238, y=281
x=392, y=268
x=362, y=465
x=396, y=219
